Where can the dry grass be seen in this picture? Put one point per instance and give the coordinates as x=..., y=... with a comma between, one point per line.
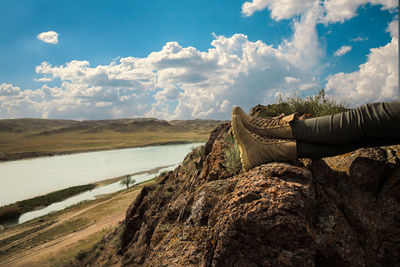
x=317, y=105
x=79, y=141
x=16, y=245
x=75, y=250
x=232, y=155
x=21, y=138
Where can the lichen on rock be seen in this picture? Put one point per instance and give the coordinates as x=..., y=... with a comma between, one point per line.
x=338, y=211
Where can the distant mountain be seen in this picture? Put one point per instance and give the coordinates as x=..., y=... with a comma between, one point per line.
x=50, y=127
x=26, y=138
x=32, y=125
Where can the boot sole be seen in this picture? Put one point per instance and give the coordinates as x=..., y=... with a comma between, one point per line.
x=243, y=152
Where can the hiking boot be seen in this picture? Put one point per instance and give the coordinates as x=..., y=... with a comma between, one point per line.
x=256, y=150
x=272, y=127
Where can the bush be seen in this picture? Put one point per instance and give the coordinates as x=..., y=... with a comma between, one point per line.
x=197, y=151
x=316, y=105
x=232, y=156
x=127, y=181
x=9, y=212
x=81, y=254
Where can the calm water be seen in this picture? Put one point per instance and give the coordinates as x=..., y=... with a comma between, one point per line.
x=24, y=179
x=89, y=195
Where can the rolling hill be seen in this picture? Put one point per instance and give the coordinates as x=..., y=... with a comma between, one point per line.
x=23, y=138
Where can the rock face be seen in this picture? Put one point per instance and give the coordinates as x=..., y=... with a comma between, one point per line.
x=339, y=211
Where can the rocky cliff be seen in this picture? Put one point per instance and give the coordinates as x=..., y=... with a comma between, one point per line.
x=339, y=211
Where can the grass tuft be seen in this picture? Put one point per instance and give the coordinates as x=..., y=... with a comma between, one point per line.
x=317, y=105
x=232, y=155
x=197, y=151
x=81, y=255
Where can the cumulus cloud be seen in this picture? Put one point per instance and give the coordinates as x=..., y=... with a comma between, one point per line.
x=376, y=80
x=279, y=9
x=7, y=89
x=334, y=10
x=50, y=37
x=183, y=82
x=304, y=49
x=339, y=10
x=308, y=86
x=175, y=82
x=343, y=50
x=378, y=74
x=225, y=106
x=393, y=28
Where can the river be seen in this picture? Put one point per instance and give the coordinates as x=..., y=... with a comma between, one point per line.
x=23, y=179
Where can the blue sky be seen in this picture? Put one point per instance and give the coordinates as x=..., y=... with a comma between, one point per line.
x=190, y=59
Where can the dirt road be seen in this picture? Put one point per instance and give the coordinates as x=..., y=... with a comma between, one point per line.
x=71, y=227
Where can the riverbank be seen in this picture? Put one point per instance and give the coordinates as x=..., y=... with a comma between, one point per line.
x=31, y=138
x=37, y=154
x=39, y=176
x=40, y=242
x=13, y=211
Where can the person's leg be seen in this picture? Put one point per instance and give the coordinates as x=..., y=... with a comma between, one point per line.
x=313, y=150
x=377, y=120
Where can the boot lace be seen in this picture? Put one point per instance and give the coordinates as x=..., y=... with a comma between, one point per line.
x=266, y=140
x=268, y=122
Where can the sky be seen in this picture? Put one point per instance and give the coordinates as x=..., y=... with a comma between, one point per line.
x=175, y=59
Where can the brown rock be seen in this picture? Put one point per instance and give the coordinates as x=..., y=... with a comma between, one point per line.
x=338, y=211
x=266, y=219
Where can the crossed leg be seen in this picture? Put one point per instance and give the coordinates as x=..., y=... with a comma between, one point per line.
x=375, y=124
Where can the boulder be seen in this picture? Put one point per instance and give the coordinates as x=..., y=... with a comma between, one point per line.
x=338, y=211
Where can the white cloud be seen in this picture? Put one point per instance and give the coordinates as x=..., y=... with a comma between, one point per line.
x=44, y=79
x=103, y=104
x=393, y=28
x=304, y=49
x=175, y=82
x=291, y=80
x=171, y=93
x=50, y=37
x=359, y=39
x=334, y=10
x=7, y=89
x=280, y=9
x=343, y=50
x=225, y=106
x=376, y=80
x=183, y=82
x=340, y=10
x=378, y=76
x=308, y=86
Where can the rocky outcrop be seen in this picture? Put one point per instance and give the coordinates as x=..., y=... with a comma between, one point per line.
x=339, y=211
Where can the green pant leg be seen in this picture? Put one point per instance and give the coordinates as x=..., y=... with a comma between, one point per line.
x=314, y=150
x=376, y=120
